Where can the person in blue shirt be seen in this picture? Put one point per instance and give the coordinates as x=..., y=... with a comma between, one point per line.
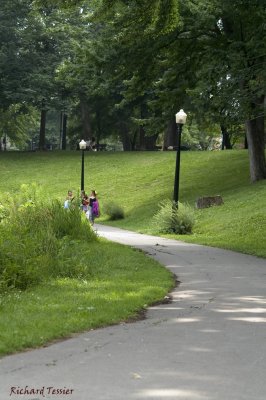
x=69, y=199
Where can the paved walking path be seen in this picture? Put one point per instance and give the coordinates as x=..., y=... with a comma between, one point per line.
x=208, y=344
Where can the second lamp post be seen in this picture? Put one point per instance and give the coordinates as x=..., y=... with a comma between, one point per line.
x=82, y=146
x=181, y=117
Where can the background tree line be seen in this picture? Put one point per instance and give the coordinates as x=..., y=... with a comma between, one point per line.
x=123, y=68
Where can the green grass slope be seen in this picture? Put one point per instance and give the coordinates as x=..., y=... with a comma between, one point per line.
x=139, y=180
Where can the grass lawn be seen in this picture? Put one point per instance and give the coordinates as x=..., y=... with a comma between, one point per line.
x=121, y=282
x=139, y=180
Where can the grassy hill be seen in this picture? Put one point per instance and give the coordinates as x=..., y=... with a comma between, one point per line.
x=139, y=180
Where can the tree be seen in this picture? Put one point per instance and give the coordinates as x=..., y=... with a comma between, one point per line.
x=18, y=123
x=233, y=65
x=32, y=44
x=128, y=66
x=218, y=42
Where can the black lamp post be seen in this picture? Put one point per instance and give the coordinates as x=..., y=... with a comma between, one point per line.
x=82, y=146
x=181, y=117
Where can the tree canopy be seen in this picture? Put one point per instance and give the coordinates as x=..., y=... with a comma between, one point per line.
x=125, y=67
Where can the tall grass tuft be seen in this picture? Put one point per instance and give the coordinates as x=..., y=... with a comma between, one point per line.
x=69, y=222
x=33, y=239
x=170, y=219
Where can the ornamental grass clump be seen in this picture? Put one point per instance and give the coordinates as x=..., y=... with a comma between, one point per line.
x=170, y=219
x=70, y=222
x=114, y=211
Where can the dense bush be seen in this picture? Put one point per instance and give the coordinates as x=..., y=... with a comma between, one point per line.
x=170, y=219
x=114, y=211
x=33, y=242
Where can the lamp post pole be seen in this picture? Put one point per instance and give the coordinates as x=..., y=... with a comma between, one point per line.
x=82, y=170
x=82, y=146
x=177, y=165
x=180, y=121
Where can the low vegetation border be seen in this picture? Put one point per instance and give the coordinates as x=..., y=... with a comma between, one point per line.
x=57, y=277
x=121, y=282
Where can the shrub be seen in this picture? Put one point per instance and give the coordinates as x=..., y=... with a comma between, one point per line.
x=114, y=211
x=170, y=219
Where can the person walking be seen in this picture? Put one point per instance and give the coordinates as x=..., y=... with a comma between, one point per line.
x=93, y=207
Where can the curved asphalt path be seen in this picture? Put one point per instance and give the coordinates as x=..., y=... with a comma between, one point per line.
x=208, y=344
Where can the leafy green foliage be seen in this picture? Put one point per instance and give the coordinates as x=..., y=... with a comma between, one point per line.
x=114, y=211
x=125, y=67
x=18, y=122
x=170, y=219
x=33, y=240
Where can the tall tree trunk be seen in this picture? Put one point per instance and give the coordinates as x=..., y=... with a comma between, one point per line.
x=5, y=142
x=150, y=142
x=99, y=128
x=256, y=148
x=42, y=130
x=64, y=131
x=142, y=145
x=125, y=136
x=133, y=141
x=246, y=142
x=226, y=143
x=146, y=142
x=85, y=119
x=170, y=136
x=126, y=142
x=141, y=138
x=60, y=130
